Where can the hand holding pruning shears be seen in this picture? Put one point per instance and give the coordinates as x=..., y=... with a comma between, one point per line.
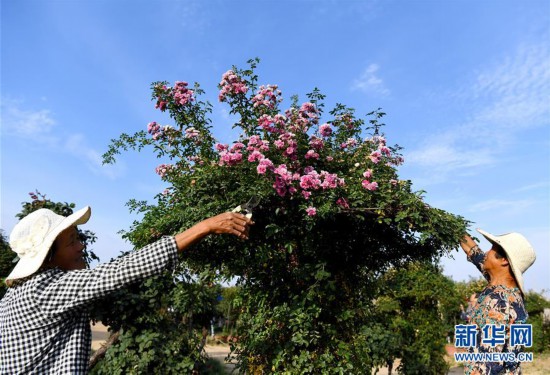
x=246, y=208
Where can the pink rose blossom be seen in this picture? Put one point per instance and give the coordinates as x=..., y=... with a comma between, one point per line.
x=342, y=202
x=370, y=185
x=254, y=140
x=281, y=170
x=163, y=169
x=230, y=158
x=351, y=142
x=280, y=186
x=290, y=151
x=330, y=180
x=161, y=105
x=375, y=157
x=384, y=150
x=367, y=174
x=325, y=130
x=312, y=155
x=254, y=156
x=231, y=84
x=316, y=143
x=310, y=181
x=264, y=165
x=311, y=211
x=191, y=133
x=221, y=147
x=237, y=146
x=182, y=95
x=267, y=96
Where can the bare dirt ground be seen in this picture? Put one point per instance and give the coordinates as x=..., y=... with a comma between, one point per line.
x=219, y=353
x=99, y=335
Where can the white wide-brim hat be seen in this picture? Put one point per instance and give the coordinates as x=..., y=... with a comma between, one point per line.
x=35, y=234
x=519, y=252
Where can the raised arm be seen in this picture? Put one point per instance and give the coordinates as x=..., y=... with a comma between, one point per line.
x=474, y=253
x=468, y=244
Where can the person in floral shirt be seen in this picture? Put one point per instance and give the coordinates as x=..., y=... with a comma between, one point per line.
x=501, y=302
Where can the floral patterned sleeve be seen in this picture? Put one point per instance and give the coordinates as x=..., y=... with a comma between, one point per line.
x=477, y=257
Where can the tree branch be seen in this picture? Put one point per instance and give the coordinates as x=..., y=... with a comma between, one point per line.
x=100, y=353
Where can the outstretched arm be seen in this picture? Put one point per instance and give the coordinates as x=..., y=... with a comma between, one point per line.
x=227, y=223
x=60, y=292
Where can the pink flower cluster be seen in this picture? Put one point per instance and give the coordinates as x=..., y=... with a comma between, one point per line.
x=383, y=151
x=366, y=183
x=195, y=159
x=264, y=165
x=347, y=120
x=231, y=84
x=312, y=180
x=311, y=211
x=316, y=143
x=191, y=133
x=370, y=185
x=182, y=95
x=301, y=119
x=342, y=202
x=230, y=156
x=267, y=96
x=325, y=130
x=161, y=90
x=350, y=143
x=286, y=139
x=163, y=169
x=273, y=124
x=158, y=131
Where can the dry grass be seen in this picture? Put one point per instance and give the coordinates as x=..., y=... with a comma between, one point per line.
x=539, y=366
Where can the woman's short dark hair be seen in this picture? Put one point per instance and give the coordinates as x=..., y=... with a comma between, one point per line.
x=499, y=252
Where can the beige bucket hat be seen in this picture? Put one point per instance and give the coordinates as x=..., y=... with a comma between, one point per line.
x=519, y=252
x=35, y=234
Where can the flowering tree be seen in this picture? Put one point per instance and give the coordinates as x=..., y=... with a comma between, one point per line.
x=333, y=217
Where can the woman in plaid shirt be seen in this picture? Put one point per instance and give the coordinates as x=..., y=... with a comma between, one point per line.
x=44, y=319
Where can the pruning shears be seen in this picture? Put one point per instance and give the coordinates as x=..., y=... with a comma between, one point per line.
x=246, y=208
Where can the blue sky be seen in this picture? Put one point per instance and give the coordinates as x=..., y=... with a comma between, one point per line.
x=466, y=85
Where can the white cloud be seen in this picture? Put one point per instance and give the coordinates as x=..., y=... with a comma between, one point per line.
x=370, y=82
x=192, y=15
x=30, y=124
x=538, y=186
x=505, y=99
x=39, y=127
x=512, y=207
x=76, y=145
x=224, y=114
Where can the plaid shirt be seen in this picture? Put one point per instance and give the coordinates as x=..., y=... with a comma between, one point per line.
x=44, y=322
